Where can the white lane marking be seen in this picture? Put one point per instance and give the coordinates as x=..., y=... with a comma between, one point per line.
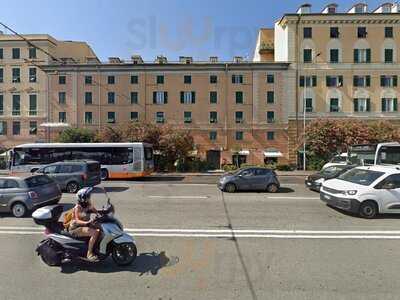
x=300, y=198
x=178, y=197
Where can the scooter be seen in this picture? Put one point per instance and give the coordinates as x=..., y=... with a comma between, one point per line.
x=60, y=247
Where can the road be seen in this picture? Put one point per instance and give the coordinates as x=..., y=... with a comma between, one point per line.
x=198, y=243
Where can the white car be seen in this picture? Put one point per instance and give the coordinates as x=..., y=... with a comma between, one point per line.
x=367, y=191
x=340, y=159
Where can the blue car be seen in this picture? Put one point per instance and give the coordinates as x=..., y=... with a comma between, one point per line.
x=249, y=179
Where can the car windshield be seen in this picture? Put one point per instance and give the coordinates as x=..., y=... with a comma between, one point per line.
x=339, y=159
x=361, y=176
x=330, y=171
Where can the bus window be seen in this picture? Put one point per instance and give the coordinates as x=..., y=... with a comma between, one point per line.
x=122, y=156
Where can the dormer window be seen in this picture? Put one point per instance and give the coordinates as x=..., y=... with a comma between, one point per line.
x=360, y=8
x=331, y=9
x=386, y=8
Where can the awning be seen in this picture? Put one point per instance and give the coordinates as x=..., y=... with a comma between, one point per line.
x=272, y=153
x=55, y=125
x=244, y=152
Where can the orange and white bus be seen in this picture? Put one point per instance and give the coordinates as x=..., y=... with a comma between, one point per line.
x=118, y=160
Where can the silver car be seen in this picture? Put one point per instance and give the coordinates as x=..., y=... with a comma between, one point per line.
x=19, y=195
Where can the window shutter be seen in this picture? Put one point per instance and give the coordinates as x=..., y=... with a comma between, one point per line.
x=368, y=104
x=355, y=80
x=382, y=80
x=368, y=80
x=233, y=78
x=165, y=97
x=193, y=97
x=355, y=104
x=356, y=55
x=154, y=97
x=368, y=55
x=340, y=83
x=394, y=80
x=328, y=81
x=314, y=80
x=182, y=97
x=395, y=104
x=383, y=104
x=301, y=83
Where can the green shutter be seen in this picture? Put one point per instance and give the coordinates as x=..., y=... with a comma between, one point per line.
x=193, y=97
x=165, y=97
x=368, y=80
x=301, y=81
x=355, y=105
x=328, y=81
x=383, y=104
x=382, y=80
x=368, y=104
x=395, y=104
x=368, y=55
x=314, y=80
x=182, y=97
x=355, y=80
x=340, y=83
x=355, y=55
x=154, y=97
x=394, y=80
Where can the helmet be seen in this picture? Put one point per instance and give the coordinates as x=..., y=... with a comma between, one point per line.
x=83, y=196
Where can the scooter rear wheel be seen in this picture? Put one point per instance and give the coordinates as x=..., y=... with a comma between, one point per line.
x=124, y=254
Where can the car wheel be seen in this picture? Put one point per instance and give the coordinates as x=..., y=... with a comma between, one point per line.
x=104, y=174
x=18, y=210
x=368, y=210
x=72, y=187
x=230, y=188
x=272, y=188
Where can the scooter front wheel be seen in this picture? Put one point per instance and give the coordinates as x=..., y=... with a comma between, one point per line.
x=124, y=254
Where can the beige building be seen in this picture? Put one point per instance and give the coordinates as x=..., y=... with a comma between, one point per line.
x=234, y=110
x=24, y=87
x=345, y=63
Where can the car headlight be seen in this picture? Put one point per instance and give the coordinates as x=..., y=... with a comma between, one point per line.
x=320, y=181
x=351, y=193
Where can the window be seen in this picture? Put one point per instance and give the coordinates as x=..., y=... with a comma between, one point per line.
x=16, y=105
x=111, y=79
x=212, y=135
x=62, y=98
x=16, y=53
x=362, y=55
x=239, y=135
x=88, y=79
x=307, y=55
x=270, y=78
x=160, y=97
x=239, y=97
x=88, y=117
x=334, y=81
x=334, y=32
x=187, y=79
x=307, y=32
x=32, y=53
x=388, y=81
x=309, y=104
x=32, y=128
x=213, y=117
x=362, y=81
x=88, y=98
x=3, y=128
x=361, y=32
x=32, y=105
x=237, y=79
x=160, y=79
x=111, y=117
x=160, y=117
x=134, y=98
x=16, y=75
x=62, y=117
x=270, y=97
x=308, y=81
x=388, y=55
x=334, y=105
x=389, y=104
x=16, y=128
x=239, y=117
x=134, y=79
x=111, y=98
x=187, y=117
x=1, y=53
x=334, y=56
x=270, y=135
x=1, y=75
x=61, y=79
x=362, y=105
x=134, y=116
x=213, y=79
x=270, y=117
x=213, y=97
x=32, y=75
x=393, y=181
x=188, y=97
x=388, y=32
x=1, y=104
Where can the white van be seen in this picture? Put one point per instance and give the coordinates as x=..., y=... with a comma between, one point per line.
x=367, y=191
x=340, y=159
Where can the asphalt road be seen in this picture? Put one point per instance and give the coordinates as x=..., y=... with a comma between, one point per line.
x=197, y=243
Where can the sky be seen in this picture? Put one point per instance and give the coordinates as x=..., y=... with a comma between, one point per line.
x=173, y=28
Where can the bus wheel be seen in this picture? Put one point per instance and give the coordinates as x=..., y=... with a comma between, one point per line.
x=104, y=174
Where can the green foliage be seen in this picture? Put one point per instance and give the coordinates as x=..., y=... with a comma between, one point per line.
x=193, y=165
x=229, y=168
x=76, y=135
x=315, y=163
x=284, y=168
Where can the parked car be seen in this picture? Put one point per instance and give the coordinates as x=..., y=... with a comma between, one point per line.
x=26, y=193
x=251, y=178
x=73, y=175
x=314, y=181
x=340, y=159
x=367, y=191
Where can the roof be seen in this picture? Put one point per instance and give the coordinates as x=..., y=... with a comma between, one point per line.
x=30, y=37
x=75, y=49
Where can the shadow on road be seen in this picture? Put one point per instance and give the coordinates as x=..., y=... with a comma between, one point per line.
x=145, y=264
x=110, y=189
x=354, y=215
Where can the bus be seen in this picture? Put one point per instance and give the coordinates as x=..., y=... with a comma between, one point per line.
x=375, y=154
x=118, y=160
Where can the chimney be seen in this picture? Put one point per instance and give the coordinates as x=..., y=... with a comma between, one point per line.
x=185, y=59
x=161, y=59
x=238, y=59
x=136, y=59
x=114, y=60
x=213, y=59
x=304, y=9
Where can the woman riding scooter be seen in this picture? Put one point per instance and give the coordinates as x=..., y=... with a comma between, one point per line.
x=79, y=226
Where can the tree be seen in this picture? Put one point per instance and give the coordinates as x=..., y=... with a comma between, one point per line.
x=76, y=135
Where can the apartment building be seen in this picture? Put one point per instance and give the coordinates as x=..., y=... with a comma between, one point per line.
x=24, y=87
x=235, y=110
x=346, y=63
